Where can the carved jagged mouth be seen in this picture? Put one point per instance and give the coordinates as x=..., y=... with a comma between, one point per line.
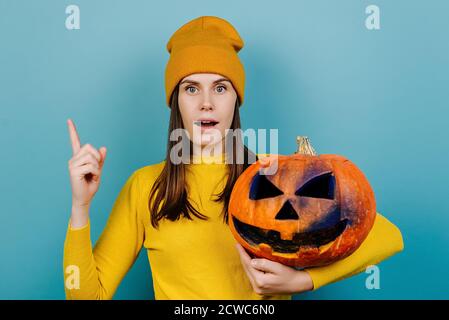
x=254, y=236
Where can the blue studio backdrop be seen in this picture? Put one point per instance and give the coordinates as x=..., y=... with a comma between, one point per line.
x=377, y=96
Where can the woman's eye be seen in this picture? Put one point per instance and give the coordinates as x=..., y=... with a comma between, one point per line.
x=190, y=91
x=220, y=91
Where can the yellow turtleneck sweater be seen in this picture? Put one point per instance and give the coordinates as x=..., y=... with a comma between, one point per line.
x=189, y=259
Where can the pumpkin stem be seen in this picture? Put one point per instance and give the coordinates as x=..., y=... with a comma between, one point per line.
x=304, y=146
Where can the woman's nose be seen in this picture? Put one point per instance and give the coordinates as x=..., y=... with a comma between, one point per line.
x=206, y=104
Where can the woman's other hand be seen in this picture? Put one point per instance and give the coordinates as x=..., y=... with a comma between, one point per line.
x=85, y=168
x=270, y=277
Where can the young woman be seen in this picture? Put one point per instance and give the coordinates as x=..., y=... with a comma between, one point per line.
x=177, y=210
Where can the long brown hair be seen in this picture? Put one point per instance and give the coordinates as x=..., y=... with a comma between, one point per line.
x=168, y=196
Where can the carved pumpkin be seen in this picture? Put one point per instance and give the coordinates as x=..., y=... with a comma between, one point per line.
x=314, y=210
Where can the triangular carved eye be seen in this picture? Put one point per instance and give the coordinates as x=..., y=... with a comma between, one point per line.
x=321, y=186
x=262, y=188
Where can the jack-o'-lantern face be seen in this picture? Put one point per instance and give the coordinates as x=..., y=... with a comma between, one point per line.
x=313, y=211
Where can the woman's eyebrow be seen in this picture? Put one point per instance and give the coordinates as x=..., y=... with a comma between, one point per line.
x=196, y=82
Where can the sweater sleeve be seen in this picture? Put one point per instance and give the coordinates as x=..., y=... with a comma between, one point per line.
x=383, y=241
x=96, y=274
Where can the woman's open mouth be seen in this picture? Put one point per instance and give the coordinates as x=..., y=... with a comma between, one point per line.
x=206, y=124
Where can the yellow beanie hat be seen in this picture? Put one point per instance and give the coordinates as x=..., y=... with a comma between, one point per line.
x=206, y=44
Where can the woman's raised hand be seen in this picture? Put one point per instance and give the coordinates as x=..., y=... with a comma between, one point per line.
x=85, y=168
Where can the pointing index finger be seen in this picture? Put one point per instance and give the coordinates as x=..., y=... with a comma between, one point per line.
x=73, y=136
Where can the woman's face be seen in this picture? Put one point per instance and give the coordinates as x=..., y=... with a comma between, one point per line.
x=206, y=102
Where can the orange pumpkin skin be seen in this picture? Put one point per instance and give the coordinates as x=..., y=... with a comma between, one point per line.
x=324, y=230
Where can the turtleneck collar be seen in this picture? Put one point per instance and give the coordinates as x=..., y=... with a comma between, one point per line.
x=208, y=159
